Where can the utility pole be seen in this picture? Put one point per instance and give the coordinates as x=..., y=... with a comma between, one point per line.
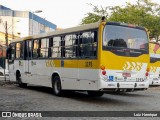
x=6, y=38
x=6, y=33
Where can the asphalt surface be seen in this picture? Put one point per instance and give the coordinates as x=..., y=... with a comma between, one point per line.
x=36, y=98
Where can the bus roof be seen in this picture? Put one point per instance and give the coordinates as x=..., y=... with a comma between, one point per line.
x=73, y=29
x=125, y=25
x=62, y=31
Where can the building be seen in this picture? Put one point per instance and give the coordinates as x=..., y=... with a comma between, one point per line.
x=22, y=23
x=10, y=37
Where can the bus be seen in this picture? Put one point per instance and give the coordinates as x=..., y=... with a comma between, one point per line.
x=97, y=57
x=154, y=75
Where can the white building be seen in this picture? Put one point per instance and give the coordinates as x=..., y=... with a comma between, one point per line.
x=23, y=23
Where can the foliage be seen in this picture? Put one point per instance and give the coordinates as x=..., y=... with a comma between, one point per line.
x=96, y=15
x=143, y=13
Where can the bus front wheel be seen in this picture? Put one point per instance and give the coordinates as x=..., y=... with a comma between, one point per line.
x=19, y=81
x=56, y=86
x=95, y=93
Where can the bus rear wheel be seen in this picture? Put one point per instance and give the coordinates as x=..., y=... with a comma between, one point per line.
x=95, y=93
x=19, y=81
x=56, y=86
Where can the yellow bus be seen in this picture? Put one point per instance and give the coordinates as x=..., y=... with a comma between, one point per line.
x=96, y=57
x=154, y=75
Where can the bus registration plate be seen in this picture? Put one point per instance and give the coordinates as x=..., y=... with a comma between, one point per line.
x=126, y=74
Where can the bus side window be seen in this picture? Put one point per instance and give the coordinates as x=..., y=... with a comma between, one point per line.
x=56, y=47
x=50, y=47
x=19, y=50
x=95, y=36
x=28, y=50
x=35, y=49
x=62, y=46
x=22, y=50
x=11, y=52
x=8, y=53
x=88, y=44
x=44, y=45
x=70, y=46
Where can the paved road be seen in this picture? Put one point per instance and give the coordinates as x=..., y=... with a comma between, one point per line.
x=13, y=98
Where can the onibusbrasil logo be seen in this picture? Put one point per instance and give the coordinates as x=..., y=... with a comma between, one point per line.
x=21, y=114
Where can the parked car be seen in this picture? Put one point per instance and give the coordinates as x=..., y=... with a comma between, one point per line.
x=2, y=76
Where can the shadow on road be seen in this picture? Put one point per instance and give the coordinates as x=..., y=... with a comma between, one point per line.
x=82, y=96
x=130, y=94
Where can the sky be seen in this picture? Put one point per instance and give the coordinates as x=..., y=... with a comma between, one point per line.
x=63, y=13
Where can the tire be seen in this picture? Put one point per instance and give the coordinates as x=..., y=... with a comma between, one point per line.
x=19, y=81
x=56, y=86
x=95, y=93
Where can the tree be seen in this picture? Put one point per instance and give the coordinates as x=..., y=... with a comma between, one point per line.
x=144, y=13
x=96, y=15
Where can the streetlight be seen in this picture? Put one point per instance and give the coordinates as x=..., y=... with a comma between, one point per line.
x=37, y=11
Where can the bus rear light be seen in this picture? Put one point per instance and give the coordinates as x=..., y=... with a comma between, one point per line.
x=102, y=67
x=148, y=69
x=147, y=74
x=103, y=72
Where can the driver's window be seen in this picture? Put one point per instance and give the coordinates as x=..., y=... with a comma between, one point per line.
x=13, y=52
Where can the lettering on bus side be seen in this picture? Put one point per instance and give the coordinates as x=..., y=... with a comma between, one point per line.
x=88, y=64
x=50, y=63
x=20, y=63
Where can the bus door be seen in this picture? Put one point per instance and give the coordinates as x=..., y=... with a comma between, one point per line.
x=11, y=57
x=33, y=66
x=28, y=51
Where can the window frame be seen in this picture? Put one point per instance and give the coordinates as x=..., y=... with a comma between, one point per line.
x=20, y=58
x=13, y=44
x=62, y=44
x=77, y=47
x=47, y=47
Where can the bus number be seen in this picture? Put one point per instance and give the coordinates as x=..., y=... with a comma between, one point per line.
x=88, y=64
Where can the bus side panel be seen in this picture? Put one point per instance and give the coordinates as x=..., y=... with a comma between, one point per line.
x=42, y=73
x=85, y=83
x=12, y=76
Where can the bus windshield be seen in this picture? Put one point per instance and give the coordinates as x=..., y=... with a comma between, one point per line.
x=124, y=37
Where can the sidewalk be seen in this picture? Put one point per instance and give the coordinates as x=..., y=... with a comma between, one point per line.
x=2, y=78
x=6, y=83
